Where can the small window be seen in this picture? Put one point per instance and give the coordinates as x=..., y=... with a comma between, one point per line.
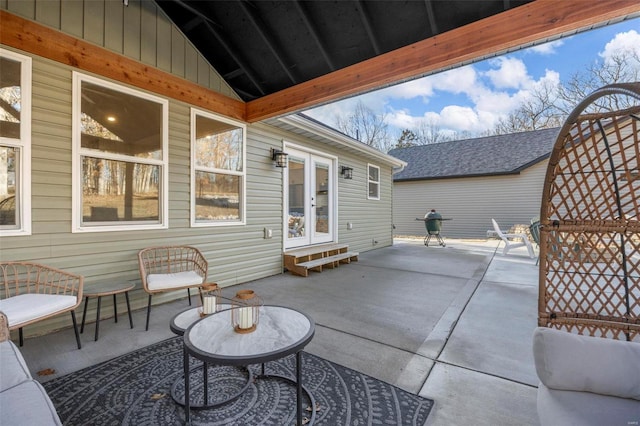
x=373, y=182
x=15, y=144
x=218, y=170
x=120, y=157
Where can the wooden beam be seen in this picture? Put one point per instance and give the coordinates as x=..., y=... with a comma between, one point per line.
x=522, y=25
x=48, y=43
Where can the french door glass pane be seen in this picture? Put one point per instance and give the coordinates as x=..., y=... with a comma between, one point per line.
x=296, y=197
x=322, y=198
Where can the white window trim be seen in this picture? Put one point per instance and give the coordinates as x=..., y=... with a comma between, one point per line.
x=78, y=152
x=369, y=182
x=24, y=143
x=243, y=174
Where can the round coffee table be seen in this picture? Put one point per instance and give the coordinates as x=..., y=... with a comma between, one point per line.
x=281, y=332
x=179, y=324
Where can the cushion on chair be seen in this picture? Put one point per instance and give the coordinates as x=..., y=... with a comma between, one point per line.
x=26, y=307
x=13, y=369
x=27, y=404
x=566, y=361
x=567, y=408
x=173, y=280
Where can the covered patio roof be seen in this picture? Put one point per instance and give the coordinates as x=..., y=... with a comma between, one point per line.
x=282, y=57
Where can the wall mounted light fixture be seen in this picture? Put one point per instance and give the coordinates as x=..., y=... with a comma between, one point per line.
x=346, y=172
x=279, y=157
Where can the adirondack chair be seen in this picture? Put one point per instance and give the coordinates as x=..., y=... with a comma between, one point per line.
x=509, y=243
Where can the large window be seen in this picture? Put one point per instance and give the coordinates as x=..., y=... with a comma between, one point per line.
x=218, y=170
x=120, y=157
x=15, y=144
x=373, y=182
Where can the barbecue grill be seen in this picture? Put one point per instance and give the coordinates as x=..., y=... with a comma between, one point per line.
x=433, y=225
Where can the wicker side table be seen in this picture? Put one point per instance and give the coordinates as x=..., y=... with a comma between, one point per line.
x=106, y=288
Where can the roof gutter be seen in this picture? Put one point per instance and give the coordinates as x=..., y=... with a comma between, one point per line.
x=320, y=129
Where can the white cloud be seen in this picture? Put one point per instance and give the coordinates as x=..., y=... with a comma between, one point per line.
x=511, y=73
x=549, y=48
x=459, y=118
x=628, y=42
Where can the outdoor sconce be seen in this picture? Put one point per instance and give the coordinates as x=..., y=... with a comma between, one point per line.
x=346, y=172
x=279, y=157
x=210, y=296
x=245, y=311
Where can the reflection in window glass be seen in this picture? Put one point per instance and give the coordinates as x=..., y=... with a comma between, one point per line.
x=121, y=134
x=120, y=123
x=218, y=150
x=10, y=98
x=296, y=198
x=217, y=196
x=374, y=182
x=218, y=145
x=8, y=217
x=115, y=191
x=15, y=144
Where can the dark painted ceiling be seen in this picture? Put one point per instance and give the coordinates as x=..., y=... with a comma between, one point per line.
x=261, y=47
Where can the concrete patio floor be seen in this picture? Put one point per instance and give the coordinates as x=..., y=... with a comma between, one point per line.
x=453, y=324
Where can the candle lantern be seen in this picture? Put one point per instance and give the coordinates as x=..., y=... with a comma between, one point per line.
x=210, y=297
x=245, y=311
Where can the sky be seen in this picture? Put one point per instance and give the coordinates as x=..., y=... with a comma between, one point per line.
x=472, y=98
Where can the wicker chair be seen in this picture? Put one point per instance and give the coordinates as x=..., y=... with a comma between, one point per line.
x=171, y=268
x=590, y=206
x=35, y=292
x=587, y=346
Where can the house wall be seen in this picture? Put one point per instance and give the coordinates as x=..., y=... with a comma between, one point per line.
x=236, y=254
x=470, y=202
x=140, y=31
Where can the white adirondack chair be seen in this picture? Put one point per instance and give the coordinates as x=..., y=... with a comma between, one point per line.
x=509, y=243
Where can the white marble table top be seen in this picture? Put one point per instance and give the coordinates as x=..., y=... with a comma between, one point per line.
x=184, y=319
x=280, y=331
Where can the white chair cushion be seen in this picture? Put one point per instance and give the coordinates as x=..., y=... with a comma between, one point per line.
x=13, y=368
x=568, y=408
x=572, y=362
x=26, y=307
x=27, y=404
x=173, y=280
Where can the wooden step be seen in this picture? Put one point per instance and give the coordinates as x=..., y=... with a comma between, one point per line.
x=311, y=250
x=300, y=261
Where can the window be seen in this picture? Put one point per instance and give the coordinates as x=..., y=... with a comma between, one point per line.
x=120, y=170
x=218, y=170
x=373, y=182
x=15, y=144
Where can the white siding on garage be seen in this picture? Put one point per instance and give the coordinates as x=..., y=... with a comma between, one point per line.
x=469, y=202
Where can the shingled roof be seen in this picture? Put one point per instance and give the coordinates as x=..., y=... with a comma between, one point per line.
x=486, y=156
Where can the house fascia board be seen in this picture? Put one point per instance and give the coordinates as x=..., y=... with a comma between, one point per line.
x=414, y=179
x=325, y=132
x=515, y=171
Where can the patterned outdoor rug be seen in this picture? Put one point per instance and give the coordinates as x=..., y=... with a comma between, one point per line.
x=135, y=389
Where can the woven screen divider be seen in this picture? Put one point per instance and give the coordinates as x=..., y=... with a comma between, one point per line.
x=590, y=230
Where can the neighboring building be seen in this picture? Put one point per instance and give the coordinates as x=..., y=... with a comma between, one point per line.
x=471, y=181
x=97, y=169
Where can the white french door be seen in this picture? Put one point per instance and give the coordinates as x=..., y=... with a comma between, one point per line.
x=309, y=199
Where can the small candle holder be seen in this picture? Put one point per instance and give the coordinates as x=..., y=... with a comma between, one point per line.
x=245, y=311
x=210, y=297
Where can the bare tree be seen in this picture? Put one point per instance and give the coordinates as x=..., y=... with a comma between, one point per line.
x=622, y=67
x=538, y=111
x=366, y=126
x=429, y=131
